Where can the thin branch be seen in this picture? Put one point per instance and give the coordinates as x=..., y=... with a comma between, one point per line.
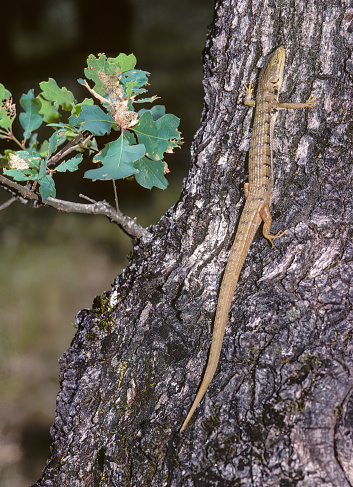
x=127, y=224
x=99, y=97
x=84, y=197
x=69, y=147
x=8, y=135
x=12, y=137
x=115, y=196
x=8, y=203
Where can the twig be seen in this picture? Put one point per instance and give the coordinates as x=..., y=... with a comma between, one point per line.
x=12, y=137
x=127, y=224
x=84, y=197
x=99, y=97
x=70, y=147
x=116, y=196
x=8, y=203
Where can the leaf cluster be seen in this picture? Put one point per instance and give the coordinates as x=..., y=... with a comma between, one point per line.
x=115, y=87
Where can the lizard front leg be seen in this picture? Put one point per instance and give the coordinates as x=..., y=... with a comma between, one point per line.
x=248, y=91
x=311, y=101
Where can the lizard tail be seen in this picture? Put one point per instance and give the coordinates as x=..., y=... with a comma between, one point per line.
x=230, y=279
x=215, y=351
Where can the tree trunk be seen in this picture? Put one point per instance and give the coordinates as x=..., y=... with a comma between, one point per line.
x=279, y=411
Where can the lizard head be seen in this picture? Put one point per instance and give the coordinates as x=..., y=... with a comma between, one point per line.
x=272, y=71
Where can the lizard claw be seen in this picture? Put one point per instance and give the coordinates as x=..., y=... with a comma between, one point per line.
x=248, y=89
x=311, y=101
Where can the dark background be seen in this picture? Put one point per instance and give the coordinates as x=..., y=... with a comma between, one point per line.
x=52, y=265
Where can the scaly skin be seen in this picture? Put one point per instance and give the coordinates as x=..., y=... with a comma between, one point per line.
x=258, y=193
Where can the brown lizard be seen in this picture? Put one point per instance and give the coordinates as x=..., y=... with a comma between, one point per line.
x=258, y=193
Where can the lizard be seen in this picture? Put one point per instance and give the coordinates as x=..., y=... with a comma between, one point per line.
x=258, y=194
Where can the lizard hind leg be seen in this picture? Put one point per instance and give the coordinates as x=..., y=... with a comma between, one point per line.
x=246, y=190
x=267, y=219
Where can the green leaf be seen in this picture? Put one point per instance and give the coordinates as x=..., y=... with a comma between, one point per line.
x=24, y=165
x=58, y=96
x=130, y=137
x=31, y=119
x=134, y=81
x=48, y=110
x=117, y=158
x=55, y=140
x=150, y=173
x=6, y=154
x=168, y=134
x=93, y=119
x=31, y=156
x=43, y=149
x=157, y=111
x=4, y=93
x=150, y=99
x=6, y=107
x=158, y=136
x=5, y=120
x=47, y=187
x=42, y=169
x=77, y=109
x=109, y=66
x=99, y=64
x=21, y=174
x=146, y=132
x=70, y=165
x=33, y=141
x=125, y=62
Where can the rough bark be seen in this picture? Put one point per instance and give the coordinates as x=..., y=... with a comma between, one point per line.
x=279, y=410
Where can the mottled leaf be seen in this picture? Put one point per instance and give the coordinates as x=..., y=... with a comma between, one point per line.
x=158, y=136
x=5, y=120
x=168, y=135
x=134, y=82
x=71, y=165
x=77, y=109
x=109, y=66
x=150, y=173
x=21, y=175
x=99, y=63
x=93, y=119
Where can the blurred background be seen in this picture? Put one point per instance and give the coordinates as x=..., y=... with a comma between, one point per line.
x=52, y=265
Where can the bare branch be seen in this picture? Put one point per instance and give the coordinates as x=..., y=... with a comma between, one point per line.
x=8, y=203
x=69, y=147
x=127, y=224
x=11, y=136
x=116, y=196
x=84, y=197
x=99, y=97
